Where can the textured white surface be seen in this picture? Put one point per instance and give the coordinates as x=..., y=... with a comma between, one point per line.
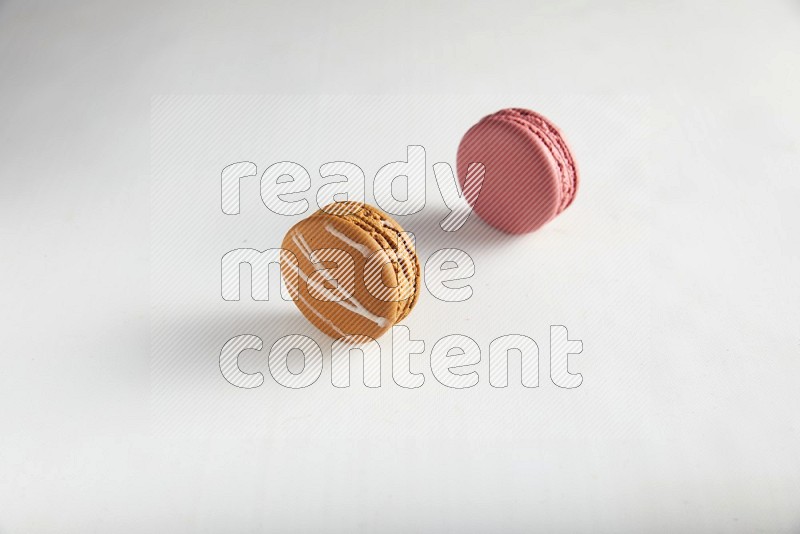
x=683, y=286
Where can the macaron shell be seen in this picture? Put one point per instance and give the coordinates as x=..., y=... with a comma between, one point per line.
x=522, y=185
x=551, y=135
x=334, y=318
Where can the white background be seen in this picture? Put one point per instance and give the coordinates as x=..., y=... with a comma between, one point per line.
x=675, y=266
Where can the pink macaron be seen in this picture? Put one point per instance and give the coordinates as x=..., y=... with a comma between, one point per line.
x=530, y=174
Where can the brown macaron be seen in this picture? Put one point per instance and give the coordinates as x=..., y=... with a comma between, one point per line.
x=351, y=269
